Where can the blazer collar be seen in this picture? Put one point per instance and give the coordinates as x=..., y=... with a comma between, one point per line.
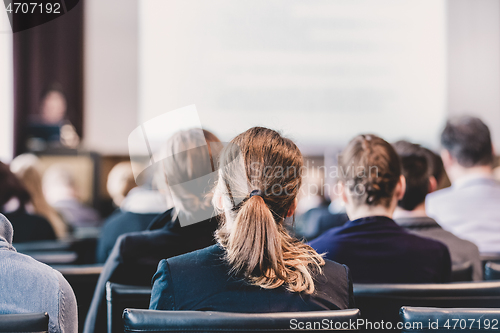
x=417, y=222
x=380, y=220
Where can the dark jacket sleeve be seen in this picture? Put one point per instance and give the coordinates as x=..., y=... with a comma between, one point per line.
x=96, y=320
x=352, y=304
x=162, y=294
x=108, y=238
x=446, y=266
x=44, y=230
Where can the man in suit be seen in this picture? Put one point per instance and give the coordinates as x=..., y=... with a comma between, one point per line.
x=470, y=207
x=417, y=166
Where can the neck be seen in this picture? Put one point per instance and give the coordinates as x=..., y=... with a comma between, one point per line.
x=419, y=211
x=366, y=211
x=459, y=172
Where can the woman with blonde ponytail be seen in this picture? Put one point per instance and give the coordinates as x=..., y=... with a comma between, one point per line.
x=256, y=266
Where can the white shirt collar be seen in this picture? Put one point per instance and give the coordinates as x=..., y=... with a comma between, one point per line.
x=469, y=179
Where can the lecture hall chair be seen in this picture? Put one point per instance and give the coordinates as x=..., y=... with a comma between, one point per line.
x=149, y=321
x=26, y=323
x=439, y=320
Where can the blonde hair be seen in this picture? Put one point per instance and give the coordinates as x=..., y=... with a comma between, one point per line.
x=120, y=182
x=189, y=158
x=252, y=232
x=26, y=168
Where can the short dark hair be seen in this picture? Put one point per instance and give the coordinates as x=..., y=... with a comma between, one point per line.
x=417, y=169
x=468, y=140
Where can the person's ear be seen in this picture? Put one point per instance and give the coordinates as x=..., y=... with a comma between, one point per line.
x=401, y=188
x=447, y=158
x=342, y=192
x=432, y=184
x=217, y=201
x=292, y=208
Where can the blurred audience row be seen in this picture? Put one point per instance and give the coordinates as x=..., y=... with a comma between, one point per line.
x=42, y=208
x=390, y=220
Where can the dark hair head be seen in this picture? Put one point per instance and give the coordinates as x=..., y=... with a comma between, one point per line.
x=417, y=169
x=11, y=187
x=468, y=140
x=370, y=169
x=53, y=87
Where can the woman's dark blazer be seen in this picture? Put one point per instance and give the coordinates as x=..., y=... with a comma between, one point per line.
x=136, y=255
x=119, y=223
x=200, y=280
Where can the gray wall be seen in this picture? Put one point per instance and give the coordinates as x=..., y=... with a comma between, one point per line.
x=111, y=88
x=474, y=61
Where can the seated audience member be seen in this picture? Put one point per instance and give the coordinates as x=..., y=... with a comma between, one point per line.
x=135, y=256
x=317, y=220
x=416, y=163
x=138, y=206
x=59, y=186
x=27, y=169
x=375, y=248
x=470, y=207
x=16, y=206
x=256, y=265
x=28, y=286
x=120, y=182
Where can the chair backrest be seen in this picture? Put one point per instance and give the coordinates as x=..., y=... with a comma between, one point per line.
x=462, y=272
x=54, y=257
x=208, y=321
x=44, y=245
x=119, y=297
x=439, y=320
x=489, y=257
x=492, y=271
x=83, y=280
x=383, y=301
x=26, y=322
x=60, y=252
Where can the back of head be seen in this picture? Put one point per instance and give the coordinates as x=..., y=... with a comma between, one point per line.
x=370, y=169
x=27, y=169
x=59, y=183
x=120, y=182
x=468, y=140
x=259, y=179
x=185, y=169
x=417, y=171
x=11, y=188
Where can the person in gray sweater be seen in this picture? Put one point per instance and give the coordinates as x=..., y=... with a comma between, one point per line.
x=28, y=286
x=419, y=167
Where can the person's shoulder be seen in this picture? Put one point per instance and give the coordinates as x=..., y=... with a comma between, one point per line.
x=133, y=241
x=29, y=265
x=326, y=237
x=439, y=195
x=333, y=269
x=205, y=257
x=336, y=284
x=448, y=237
x=422, y=244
